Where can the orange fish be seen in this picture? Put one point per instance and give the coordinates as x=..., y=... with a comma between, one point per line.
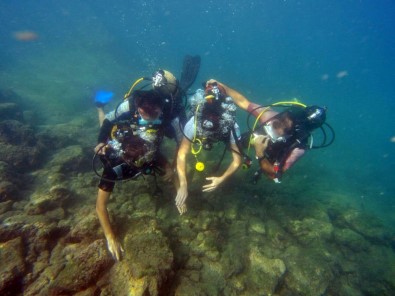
x=25, y=36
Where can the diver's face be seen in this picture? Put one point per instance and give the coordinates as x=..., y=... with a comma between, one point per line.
x=152, y=115
x=277, y=128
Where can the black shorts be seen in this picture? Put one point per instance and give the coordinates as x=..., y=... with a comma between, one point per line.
x=121, y=171
x=112, y=174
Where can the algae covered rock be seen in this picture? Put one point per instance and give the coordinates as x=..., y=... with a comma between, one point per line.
x=12, y=267
x=48, y=201
x=351, y=240
x=309, y=270
x=146, y=267
x=309, y=230
x=266, y=273
x=70, y=159
x=82, y=270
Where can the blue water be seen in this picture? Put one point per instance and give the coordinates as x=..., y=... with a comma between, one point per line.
x=340, y=54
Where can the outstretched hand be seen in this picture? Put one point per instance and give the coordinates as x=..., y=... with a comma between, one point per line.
x=215, y=181
x=115, y=248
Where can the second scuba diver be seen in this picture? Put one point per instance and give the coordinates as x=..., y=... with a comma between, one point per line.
x=213, y=121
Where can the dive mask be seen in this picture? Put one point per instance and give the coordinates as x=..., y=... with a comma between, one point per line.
x=274, y=136
x=142, y=121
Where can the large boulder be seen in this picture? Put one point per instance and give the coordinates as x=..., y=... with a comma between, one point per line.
x=146, y=268
x=83, y=269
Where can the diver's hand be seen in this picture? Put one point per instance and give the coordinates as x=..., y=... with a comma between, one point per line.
x=182, y=194
x=260, y=143
x=115, y=248
x=99, y=148
x=215, y=181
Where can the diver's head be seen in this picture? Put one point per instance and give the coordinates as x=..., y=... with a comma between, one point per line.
x=279, y=127
x=294, y=121
x=164, y=82
x=214, y=92
x=149, y=104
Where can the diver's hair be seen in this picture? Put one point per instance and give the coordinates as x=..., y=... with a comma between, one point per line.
x=285, y=121
x=148, y=100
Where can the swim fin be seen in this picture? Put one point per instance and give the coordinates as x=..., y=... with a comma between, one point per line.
x=190, y=70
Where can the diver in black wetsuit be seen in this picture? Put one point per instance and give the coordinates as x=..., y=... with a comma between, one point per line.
x=128, y=145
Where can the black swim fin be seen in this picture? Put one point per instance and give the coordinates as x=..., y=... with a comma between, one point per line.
x=190, y=70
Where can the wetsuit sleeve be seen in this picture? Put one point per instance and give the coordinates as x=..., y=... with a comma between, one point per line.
x=105, y=131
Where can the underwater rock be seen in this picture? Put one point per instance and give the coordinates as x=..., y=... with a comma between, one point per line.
x=85, y=268
x=39, y=233
x=233, y=259
x=370, y=227
x=309, y=271
x=19, y=146
x=75, y=132
x=21, y=158
x=144, y=205
x=147, y=265
x=266, y=273
x=8, y=191
x=12, y=267
x=309, y=230
x=256, y=225
x=10, y=111
x=351, y=240
x=5, y=206
x=69, y=159
x=15, y=133
x=188, y=286
x=86, y=229
x=44, y=202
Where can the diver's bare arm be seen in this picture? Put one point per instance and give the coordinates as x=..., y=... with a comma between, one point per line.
x=181, y=161
x=234, y=165
x=102, y=213
x=267, y=168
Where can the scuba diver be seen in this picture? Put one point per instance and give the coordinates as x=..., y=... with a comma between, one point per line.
x=172, y=91
x=213, y=121
x=282, y=138
x=128, y=147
